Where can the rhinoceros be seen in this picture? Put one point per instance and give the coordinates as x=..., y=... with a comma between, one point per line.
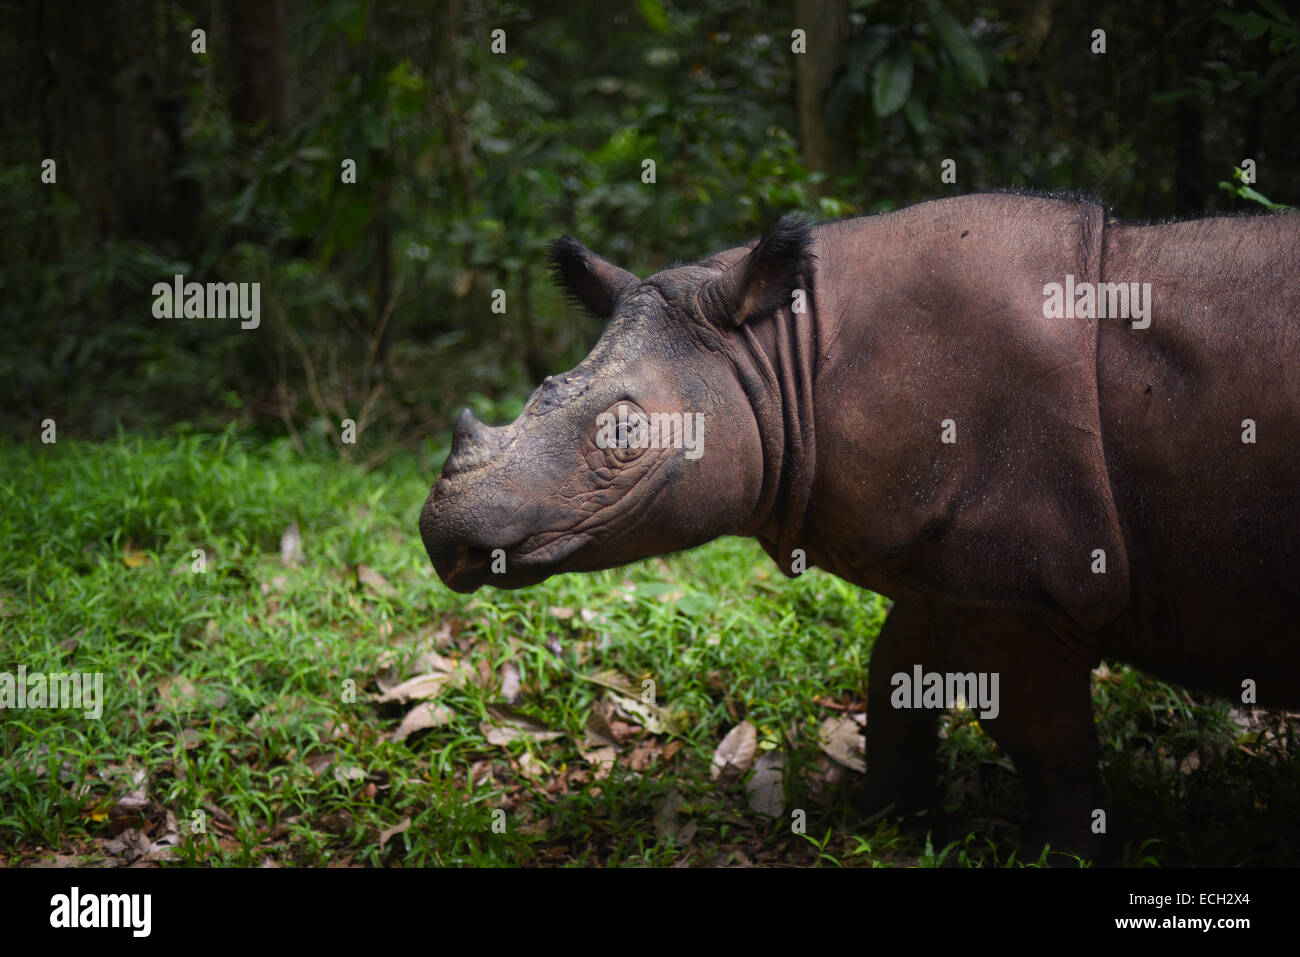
x=1048, y=436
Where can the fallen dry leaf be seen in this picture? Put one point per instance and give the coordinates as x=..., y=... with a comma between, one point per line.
x=734, y=754
x=510, y=687
x=420, y=688
x=505, y=724
x=376, y=582
x=317, y=763
x=424, y=715
x=392, y=832
x=348, y=772
x=653, y=718
x=614, y=681
x=599, y=733
x=765, y=790
x=334, y=822
x=530, y=767
x=291, y=546
x=430, y=660
x=841, y=739
x=643, y=755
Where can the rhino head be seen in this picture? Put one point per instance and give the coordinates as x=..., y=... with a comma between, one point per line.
x=673, y=431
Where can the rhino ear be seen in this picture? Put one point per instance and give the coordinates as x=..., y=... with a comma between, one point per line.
x=765, y=280
x=589, y=281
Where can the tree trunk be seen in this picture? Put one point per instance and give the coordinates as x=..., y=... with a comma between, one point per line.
x=257, y=53
x=826, y=24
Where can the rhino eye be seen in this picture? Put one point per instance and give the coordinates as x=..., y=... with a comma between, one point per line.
x=630, y=444
x=625, y=435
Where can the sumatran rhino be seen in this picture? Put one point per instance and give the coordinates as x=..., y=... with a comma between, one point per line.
x=929, y=404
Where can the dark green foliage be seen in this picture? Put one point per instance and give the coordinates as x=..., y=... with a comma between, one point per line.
x=377, y=294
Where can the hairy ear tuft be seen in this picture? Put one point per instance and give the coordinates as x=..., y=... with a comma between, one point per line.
x=588, y=281
x=765, y=279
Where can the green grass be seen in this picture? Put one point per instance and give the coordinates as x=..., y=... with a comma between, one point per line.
x=242, y=696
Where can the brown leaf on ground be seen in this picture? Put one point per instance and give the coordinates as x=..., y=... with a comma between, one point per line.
x=530, y=767
x=430, y=660
x=505, y=724
x=850, y=705
x=133, y=810
x=841, y=739
x=155, y=841
x=511, y=690
x=318, y=762
x=291, y=553
x=424, y=715
x=421, y=687
x=653, y=718
x=348, y=772
x=130, y=844
x=642, y=756
x=334, y=822
x=375, y=582
x=765, y=790
x=623, y=732
x=734, y=754
x=222, y=821
x=176, y=691
x=386, y=679
x=392, y=832
x=614, y=681
x=601, y=760
x=599, y=732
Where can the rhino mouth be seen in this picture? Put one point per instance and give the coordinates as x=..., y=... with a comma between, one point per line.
x=465, y=568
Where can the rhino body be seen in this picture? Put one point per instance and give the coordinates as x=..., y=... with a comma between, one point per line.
x=895, y=400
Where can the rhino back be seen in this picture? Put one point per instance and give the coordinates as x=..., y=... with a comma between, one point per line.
x=1211, y=522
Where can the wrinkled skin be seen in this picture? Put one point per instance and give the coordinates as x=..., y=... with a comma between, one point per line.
x=822, y=434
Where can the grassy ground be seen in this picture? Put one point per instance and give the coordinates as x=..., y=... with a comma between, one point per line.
x=257, y=711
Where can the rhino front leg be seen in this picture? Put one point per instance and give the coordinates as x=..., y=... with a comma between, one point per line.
x=1044, y=722
x=901, y=744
